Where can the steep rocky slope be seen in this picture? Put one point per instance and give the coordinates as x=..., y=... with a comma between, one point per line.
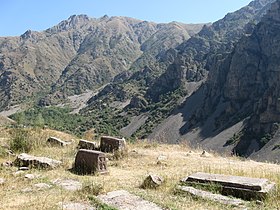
x=237, y=110
x=153, y=92
x=195, y=56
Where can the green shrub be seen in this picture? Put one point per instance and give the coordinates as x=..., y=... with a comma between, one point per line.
x=19, y=140
x=26, y=139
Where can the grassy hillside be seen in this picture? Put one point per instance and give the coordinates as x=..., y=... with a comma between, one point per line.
x=127, y=173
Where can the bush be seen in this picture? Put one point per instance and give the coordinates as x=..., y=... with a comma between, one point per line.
x=20, y=141
x=25, y=140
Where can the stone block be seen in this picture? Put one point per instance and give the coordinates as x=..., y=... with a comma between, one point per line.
x=111, y=144
x=84, y=144
x=57, y=142
x=25, y=160
x=90, y=162
x=211, y=196
x=238, y=186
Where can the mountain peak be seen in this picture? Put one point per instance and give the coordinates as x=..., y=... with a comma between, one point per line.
x=73, y=22
x=78, y=18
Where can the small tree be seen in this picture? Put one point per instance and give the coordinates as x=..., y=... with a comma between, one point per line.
x=39, y=121
x=20, y=118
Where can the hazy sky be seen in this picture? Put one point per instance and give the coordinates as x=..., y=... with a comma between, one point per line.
x=17, y=16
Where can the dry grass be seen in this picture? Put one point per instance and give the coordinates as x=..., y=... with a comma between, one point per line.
x=129, y=174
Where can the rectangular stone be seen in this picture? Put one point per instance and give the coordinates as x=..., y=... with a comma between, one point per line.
x=255, y=184
x=58, y=142
x=111, y=144
x=25, y=160
x=211, y=196
x=84, y=144
x=238, y=186
x=90, y=162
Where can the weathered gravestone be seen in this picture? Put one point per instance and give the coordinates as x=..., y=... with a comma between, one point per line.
x=25, y=160
x=112, y=144
x=84, y=144
x=238, y=186
x=57, y=142
x=90, y=161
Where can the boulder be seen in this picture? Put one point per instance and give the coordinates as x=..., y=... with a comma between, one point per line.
x=57, y=142
x=111, y=144
x=84, y=144
x=152, y=181
x=90, y=162
x=25, y=160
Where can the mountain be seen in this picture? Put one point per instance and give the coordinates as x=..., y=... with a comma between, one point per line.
x=214, y=86
x=148, y=96
x=195, y=56
x=237, y=109
x=31, y=63
x=78, y=54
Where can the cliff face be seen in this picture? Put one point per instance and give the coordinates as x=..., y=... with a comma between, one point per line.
x=239, y=108
x=196, y=56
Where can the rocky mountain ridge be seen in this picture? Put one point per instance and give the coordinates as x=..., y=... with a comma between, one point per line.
x=78, y=54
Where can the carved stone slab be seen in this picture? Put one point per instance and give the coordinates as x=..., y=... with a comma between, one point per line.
x=111, y=144
x=57, y=142
x=84, y=144
x=239, y=186
x=90, y=161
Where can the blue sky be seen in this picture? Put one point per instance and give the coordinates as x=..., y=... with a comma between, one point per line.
x=17, y=16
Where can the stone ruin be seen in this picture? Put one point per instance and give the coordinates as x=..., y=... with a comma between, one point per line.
x=57, y=142
x=84, y=144
x=90, y=162
x=238, y=186
x=25, y=160
x=111, y=144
